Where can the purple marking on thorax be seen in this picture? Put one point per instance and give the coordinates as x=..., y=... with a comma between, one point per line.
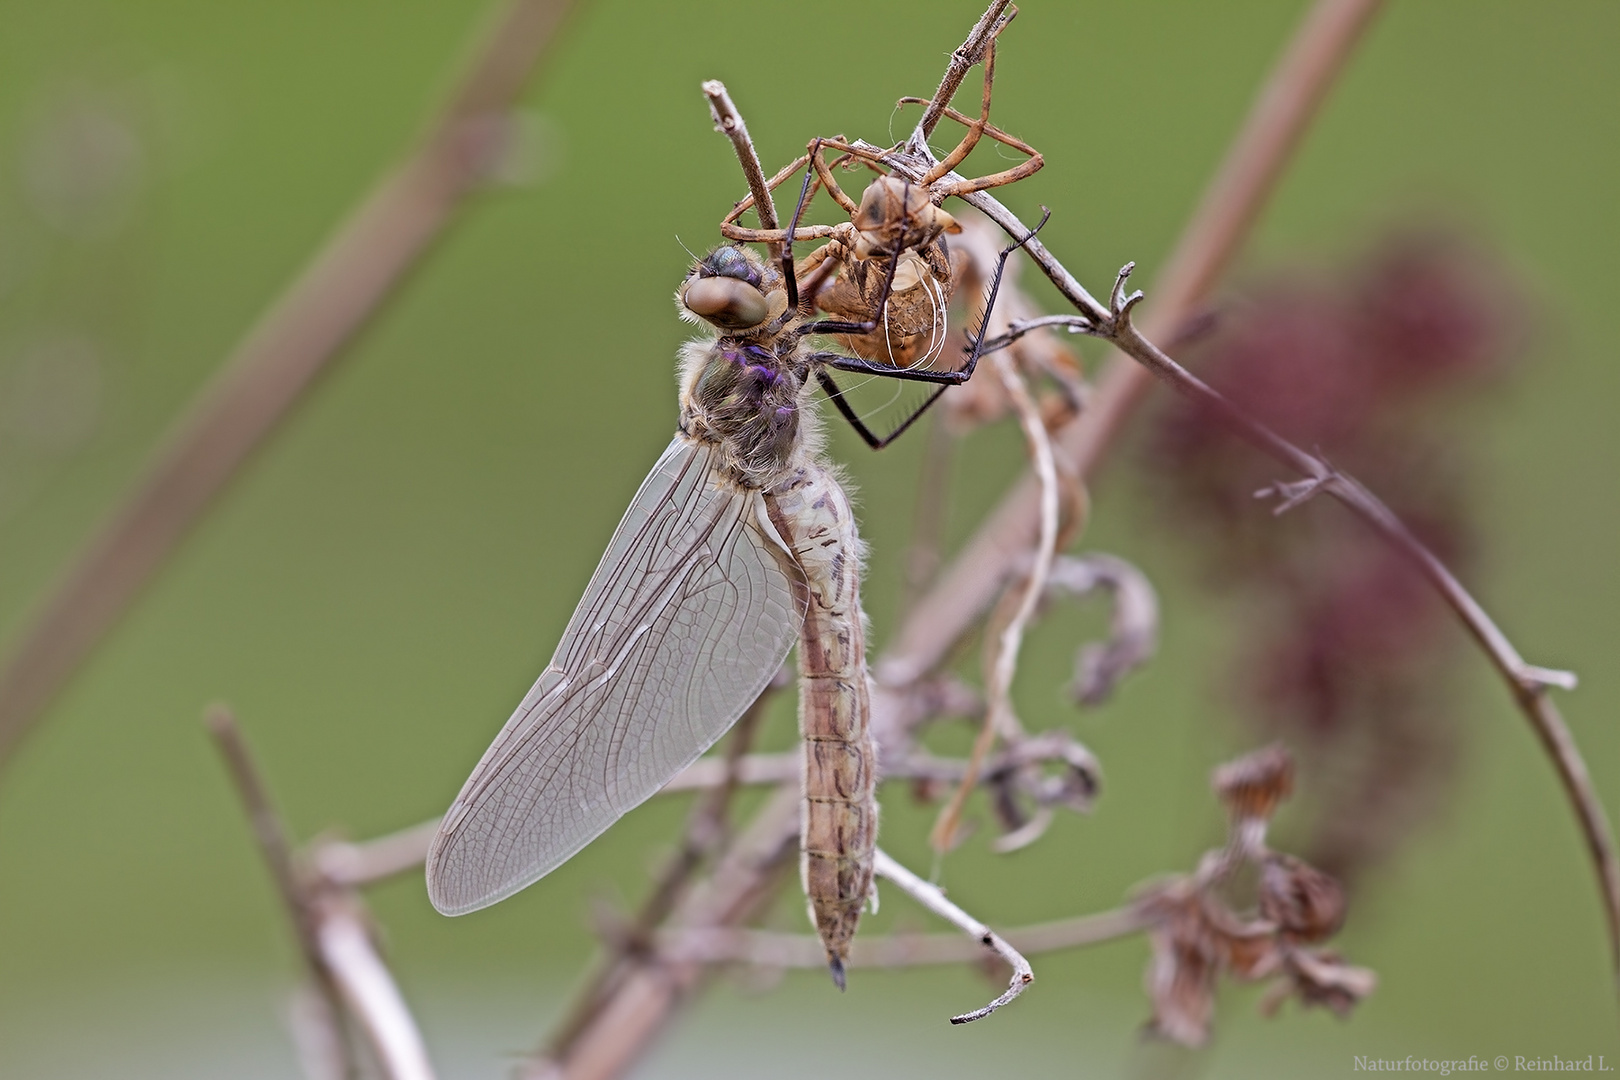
x=761, y=363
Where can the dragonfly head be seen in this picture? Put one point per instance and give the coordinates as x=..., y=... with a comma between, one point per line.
x=733, y=289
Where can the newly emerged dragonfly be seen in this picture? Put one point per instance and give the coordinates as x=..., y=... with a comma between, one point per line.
x=739, y=542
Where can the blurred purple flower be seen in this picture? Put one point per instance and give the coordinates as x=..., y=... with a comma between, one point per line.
x=1343, y=656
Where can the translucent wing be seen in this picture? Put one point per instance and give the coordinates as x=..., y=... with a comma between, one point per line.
x=686, y=619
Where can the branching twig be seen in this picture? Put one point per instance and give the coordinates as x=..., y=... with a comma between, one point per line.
x=729, y=122
x=771, y=949
x=969, y=53
x=629, y=1013
x=999, y=718
x=1231, y=204
x=333, y=936
x=298, y=338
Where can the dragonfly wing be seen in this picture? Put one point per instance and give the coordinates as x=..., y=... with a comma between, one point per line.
x=688, y=616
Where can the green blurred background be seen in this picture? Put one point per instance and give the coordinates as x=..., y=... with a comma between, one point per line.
x=386, y=579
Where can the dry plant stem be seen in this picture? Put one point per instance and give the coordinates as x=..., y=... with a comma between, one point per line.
x=277, y=851
x=337, y=945
x=729, y=122
x=962, y=60
x=770, y=949
x=930, y=897
x=704, y=833
x=356, y=863
x=297, y=339
x=1281, y=114
x=999, y=717
x=1527, y=683
x=351, y=864
x=615, y=1031
x=373, y=998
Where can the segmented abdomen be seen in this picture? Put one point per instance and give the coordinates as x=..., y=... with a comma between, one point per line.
x=838, y=827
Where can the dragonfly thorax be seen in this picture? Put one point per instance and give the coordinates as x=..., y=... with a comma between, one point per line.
x=745, y=395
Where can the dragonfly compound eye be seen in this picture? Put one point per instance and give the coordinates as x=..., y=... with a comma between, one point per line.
x=732, y=262
x=726, y=302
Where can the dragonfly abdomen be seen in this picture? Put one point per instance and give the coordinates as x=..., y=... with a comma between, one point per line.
x=838, y=827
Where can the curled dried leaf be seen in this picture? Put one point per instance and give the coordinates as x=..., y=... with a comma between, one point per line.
x=1306, y=904
x=1320, y=977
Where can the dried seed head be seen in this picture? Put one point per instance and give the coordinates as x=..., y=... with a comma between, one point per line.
x=1306, y=904
x=1253, y=785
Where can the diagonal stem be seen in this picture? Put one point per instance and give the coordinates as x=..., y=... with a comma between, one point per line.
x=300, y=336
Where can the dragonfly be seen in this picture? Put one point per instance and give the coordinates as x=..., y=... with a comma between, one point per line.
x=739, y=544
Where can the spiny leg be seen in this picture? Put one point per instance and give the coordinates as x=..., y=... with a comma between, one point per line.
x=975, y=129
x=1006, y=176
x=871, y=438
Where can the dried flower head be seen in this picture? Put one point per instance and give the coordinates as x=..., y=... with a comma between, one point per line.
x=1253, y=785
x=1196, y=935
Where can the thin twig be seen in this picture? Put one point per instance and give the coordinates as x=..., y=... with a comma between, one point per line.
x=999, y=718
x=773, y=949
x=349, y=953
x=729, y=122
x=930, y=897
x=300, y=336
x=351, y=864
x=615, y=1031
x=332, y=934
x=276, y=849
x=970, y=52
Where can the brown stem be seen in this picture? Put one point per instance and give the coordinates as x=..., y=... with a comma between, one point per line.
x=1002, y=659
x=616, y=1030
x=778, y=950
x=705, y=833
x=276, y=849
x=333, y=932
x=970, y=52
x=270, y=371
x=729, y=122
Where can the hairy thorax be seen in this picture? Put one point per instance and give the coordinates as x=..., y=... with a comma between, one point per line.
x=745, y=395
